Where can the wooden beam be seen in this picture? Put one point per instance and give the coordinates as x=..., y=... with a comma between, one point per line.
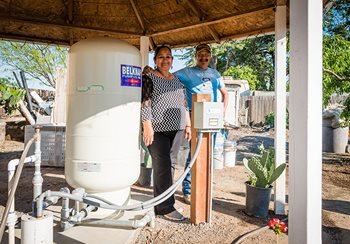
x=201, y=16
x=212, y=21
x=151, y=43
x=201, y=173
x=70, y=21
x=246, y=35
x=139, y=16
x=42, y=40
x=70, y=11
x=213, y=33
x=67, y=26
x=197, y=11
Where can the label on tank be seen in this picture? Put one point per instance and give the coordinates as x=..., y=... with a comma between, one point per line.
x=89, y=167
x=130, y=75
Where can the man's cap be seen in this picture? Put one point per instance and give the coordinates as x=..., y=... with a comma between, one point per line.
x=202, y=47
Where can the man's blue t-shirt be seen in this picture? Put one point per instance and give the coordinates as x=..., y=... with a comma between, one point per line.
x=201, y=81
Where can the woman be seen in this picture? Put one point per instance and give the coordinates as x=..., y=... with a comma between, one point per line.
x=165, y=121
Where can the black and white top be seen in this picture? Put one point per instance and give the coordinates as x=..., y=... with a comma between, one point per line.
x=163, y=103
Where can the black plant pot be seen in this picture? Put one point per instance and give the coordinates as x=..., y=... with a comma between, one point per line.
x=146, y=177
x=257, y=201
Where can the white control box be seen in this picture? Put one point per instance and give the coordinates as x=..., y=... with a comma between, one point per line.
x=208, y=116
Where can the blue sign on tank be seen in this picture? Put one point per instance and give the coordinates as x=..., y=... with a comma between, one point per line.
x=130, y=75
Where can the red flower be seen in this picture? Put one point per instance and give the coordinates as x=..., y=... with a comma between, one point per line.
x=277, y=226
x=276, y=220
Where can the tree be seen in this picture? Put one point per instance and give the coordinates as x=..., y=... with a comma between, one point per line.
x=10, y=95
x=336, y=19
x=38, y=61
x=336, y=49
x=256, y=54
x=243, y=73
x=336, y=66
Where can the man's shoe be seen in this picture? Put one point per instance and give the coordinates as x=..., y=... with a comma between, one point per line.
x=187, y=199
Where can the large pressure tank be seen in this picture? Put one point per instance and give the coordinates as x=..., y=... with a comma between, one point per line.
x=103, y=123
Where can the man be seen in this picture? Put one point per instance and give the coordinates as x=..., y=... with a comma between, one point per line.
x=204, y=80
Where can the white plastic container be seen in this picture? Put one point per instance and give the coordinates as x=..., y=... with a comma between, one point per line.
x=230, y=148
x=103, y=122
x=218, y=152
x=37, y=230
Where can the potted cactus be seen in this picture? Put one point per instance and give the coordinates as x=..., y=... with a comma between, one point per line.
x=262, y=174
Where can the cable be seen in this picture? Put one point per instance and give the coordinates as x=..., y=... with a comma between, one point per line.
x=250, y=233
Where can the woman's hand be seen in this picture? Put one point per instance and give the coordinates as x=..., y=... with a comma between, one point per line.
x=148, y=133
x=147, y=70
x=188, y=132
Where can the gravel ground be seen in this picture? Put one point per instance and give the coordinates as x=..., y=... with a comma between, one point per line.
x=228, y=218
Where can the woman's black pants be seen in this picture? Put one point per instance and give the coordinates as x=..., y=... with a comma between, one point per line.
x=164, y=150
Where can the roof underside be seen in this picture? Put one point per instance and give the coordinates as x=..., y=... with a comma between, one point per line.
x=173, y=22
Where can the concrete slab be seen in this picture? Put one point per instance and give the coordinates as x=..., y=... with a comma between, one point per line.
x=97, y=235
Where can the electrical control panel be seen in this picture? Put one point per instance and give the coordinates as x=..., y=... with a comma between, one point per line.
x=208, y=116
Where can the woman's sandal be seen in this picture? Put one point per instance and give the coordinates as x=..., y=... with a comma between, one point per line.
x=175, y=215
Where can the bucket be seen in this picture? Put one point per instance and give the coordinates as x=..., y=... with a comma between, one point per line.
x=230, y=148
x=327, y=135
x=218, y=159
x=218, y=150
x=340, y=139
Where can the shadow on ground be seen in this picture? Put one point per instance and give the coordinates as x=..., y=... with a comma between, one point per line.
x=337, y=206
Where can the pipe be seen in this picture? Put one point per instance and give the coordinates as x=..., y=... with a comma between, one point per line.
x=135, y=224
x=76, y=219
x=14, y=162
x=12, y=217
x=37, y=179
x=65, y=210
x=15, y=184
x=40, y=199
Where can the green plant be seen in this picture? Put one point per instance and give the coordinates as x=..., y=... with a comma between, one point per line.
x=262, y=168
x=9, y=95
x=270, y=120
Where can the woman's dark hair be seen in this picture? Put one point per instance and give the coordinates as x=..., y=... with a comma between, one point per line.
x=156, y=51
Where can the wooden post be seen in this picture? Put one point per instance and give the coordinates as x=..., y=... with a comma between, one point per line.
x=201, y=171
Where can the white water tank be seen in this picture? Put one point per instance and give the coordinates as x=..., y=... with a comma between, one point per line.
x=103, y=120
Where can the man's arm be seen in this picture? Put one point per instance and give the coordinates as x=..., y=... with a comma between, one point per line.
x=224, y=94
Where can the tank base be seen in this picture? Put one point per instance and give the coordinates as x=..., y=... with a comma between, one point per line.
x=120, y=197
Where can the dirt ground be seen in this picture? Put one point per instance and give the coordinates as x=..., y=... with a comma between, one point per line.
x=229, y=221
